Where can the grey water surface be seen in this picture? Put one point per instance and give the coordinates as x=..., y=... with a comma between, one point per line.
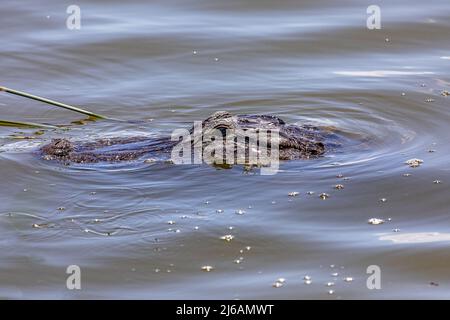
x=145, y=231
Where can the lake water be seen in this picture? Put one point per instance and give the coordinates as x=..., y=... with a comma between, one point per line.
x=170, y=63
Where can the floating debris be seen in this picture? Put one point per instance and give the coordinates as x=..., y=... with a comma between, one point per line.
x=227, y=237
x=324, y=196
x=375, y=221
x=277, y=284
x=437, y=181
x=329, y=284
x=170, y=222
x=396, y=230
x=434, y=284
x=207, y=202
x=248, y=248
x=237, y=261
x=306, y=278
x=150, y=160
x=240, y=212
x=308, y=282
x=387, y=40
x=403, y=94
x=330, y=291
x=207, y=268
x=310, y=193
x=43, y=225
x=339, y=186
x=334, y=274
x=383, y=200
x=348, y=279
x=293, y=194
x=196, y=228
x=407, y=174
x=219, y=211
x=414, y=163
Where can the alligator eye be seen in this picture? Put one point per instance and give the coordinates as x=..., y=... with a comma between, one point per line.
x=223, y=130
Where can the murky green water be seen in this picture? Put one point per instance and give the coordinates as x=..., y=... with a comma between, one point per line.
x=177, y=62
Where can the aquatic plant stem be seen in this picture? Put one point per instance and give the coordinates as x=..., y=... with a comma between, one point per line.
x=7, y=123
x=52, y=102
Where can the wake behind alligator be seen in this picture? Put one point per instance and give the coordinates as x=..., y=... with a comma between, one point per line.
x=295, y=142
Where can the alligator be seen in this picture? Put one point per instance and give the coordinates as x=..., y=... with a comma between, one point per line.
x=295, y=141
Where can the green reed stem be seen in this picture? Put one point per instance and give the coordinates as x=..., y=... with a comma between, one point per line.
x=6, y=123
x=52, y=102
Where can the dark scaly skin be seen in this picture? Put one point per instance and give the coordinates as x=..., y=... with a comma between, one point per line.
x=296, y=142
x=106, y=150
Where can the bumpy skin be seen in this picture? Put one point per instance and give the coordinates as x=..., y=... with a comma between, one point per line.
x=296, y=142
x=106, y=150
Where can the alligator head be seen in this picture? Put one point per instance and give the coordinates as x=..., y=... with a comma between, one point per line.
x=291, y=141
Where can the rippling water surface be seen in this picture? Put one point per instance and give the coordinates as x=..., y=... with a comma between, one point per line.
x=173, y=62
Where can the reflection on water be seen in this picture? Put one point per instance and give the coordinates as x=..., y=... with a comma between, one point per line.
x=145, y=230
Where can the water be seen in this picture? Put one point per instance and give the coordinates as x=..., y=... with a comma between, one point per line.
x=179, y=61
